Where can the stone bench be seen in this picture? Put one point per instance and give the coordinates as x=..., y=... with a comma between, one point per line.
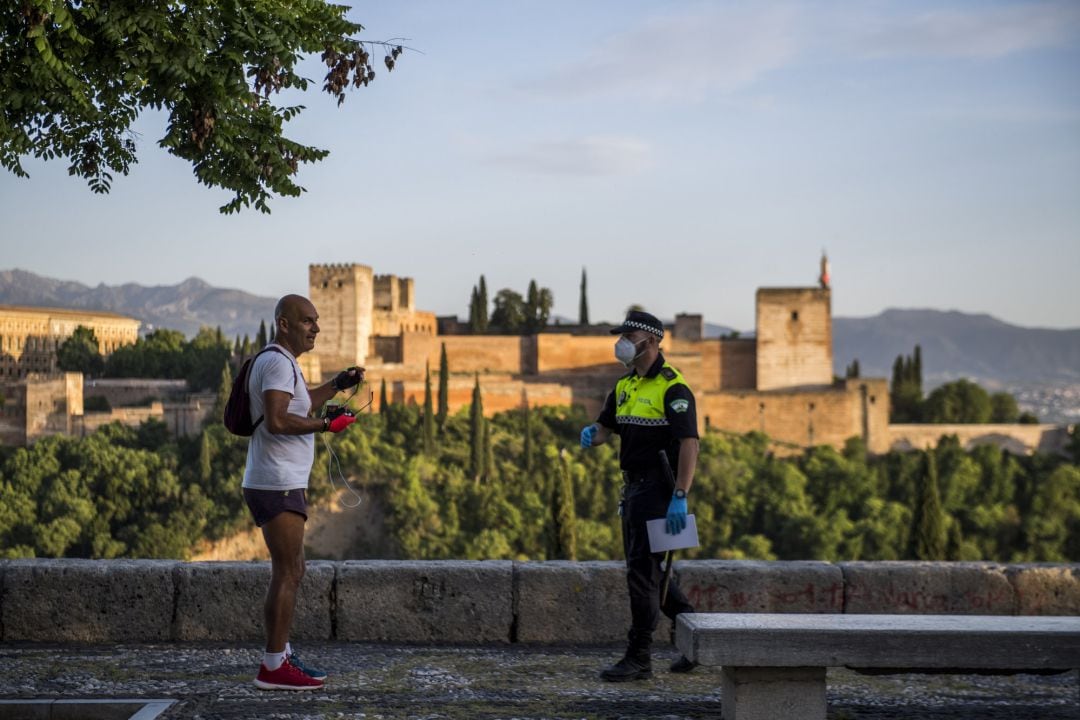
x=773, y=665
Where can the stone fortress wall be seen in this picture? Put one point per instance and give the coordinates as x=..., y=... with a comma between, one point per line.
x=38, y=405
x=779, y=382
x=488, y=601
x=1017, y=439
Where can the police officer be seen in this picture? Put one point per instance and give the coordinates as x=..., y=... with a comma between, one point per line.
x=651, y=409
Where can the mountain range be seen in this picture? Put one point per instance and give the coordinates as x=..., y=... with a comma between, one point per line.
x=185, y=307
x=953, y=344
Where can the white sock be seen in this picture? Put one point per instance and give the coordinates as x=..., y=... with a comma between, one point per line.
x=273, y=660
x=288, y=649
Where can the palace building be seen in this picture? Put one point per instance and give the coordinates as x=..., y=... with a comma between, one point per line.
x=30, y=336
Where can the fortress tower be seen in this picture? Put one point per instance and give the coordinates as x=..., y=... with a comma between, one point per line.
x=344, y=295
x=362, y=316
x=794, y=337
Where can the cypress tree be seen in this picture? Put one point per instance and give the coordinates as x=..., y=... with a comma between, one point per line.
x=476, y=432
x=206, y=459
x=382, y=398
x=273, y=332
x=482, y=306
x=527, y=435
x=917, y=369
x=474, y=311
x=236, y=347
x=532, y=308
x=583, y=303
x=245, y=347
x=260, y=339
x=929, y=529
x=563, y=517
x=224, y=388
x=444, y=388
x=955, y=542
x=429, y=415
x=489, y=454
x=905, y=392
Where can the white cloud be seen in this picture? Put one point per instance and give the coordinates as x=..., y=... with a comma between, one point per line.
x=979, y=32
x=595, y=155
x=681, y=57
x=710, y=51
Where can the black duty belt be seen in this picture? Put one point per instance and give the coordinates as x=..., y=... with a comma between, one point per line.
x=631, y=477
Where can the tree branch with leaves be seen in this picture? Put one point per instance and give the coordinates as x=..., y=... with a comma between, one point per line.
x=75, y=75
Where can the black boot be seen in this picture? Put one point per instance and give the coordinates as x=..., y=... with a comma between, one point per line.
x=682, y=665
x=636, y=664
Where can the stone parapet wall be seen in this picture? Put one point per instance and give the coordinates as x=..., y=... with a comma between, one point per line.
x=468, y=602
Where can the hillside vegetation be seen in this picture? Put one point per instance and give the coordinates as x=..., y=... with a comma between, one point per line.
x=517, y=486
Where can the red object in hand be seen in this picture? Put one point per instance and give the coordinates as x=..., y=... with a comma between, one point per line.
x=341, y=422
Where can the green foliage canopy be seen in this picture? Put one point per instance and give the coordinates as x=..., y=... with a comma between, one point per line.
x=74, y=77
x=138, y=492
x=167, y=354
x=79, y=353
x=961, y=401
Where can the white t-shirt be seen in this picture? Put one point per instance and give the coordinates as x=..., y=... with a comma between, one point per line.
x=278, y=462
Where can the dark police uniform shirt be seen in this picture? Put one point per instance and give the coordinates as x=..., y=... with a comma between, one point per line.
x=641, y=439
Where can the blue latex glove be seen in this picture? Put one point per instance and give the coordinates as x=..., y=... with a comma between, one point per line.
x=676, y=516
x=587, y=435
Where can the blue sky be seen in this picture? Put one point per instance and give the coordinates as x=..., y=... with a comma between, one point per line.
x=685, y=153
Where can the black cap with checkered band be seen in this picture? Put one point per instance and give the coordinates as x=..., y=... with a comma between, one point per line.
x=638, y=320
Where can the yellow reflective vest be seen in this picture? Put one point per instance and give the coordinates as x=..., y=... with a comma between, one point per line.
x=640, y=400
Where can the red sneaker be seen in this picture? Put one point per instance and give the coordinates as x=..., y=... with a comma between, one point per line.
x=286, y=677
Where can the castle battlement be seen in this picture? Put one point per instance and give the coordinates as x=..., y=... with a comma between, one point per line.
x=337, y=266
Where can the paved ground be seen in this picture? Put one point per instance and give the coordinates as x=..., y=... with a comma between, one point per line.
x=454, y=683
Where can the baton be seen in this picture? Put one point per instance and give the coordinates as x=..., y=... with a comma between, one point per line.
x=670, y=560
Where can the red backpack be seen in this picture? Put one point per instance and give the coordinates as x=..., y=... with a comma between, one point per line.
x=237, y=417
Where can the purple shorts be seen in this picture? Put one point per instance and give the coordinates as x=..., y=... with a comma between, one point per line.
x=265, y=505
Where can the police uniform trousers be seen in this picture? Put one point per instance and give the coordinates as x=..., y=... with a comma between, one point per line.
x=646, y=497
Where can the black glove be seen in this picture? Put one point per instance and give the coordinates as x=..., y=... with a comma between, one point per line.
x=350, y=377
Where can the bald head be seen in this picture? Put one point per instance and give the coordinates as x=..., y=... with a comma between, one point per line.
x=297, y=324
x=289, y=306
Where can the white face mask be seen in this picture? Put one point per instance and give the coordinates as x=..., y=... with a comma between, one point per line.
x=626, y=351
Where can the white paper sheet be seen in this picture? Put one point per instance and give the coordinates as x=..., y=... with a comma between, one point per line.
x=660, y=541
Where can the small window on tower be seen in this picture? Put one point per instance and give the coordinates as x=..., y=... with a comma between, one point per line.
x=326, y=284
x=794, y=316
x=339, y=283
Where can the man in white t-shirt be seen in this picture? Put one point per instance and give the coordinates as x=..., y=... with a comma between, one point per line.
x=279, y=461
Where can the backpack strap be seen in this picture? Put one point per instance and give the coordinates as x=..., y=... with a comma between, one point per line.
x=279, y=351
x=292, y=366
